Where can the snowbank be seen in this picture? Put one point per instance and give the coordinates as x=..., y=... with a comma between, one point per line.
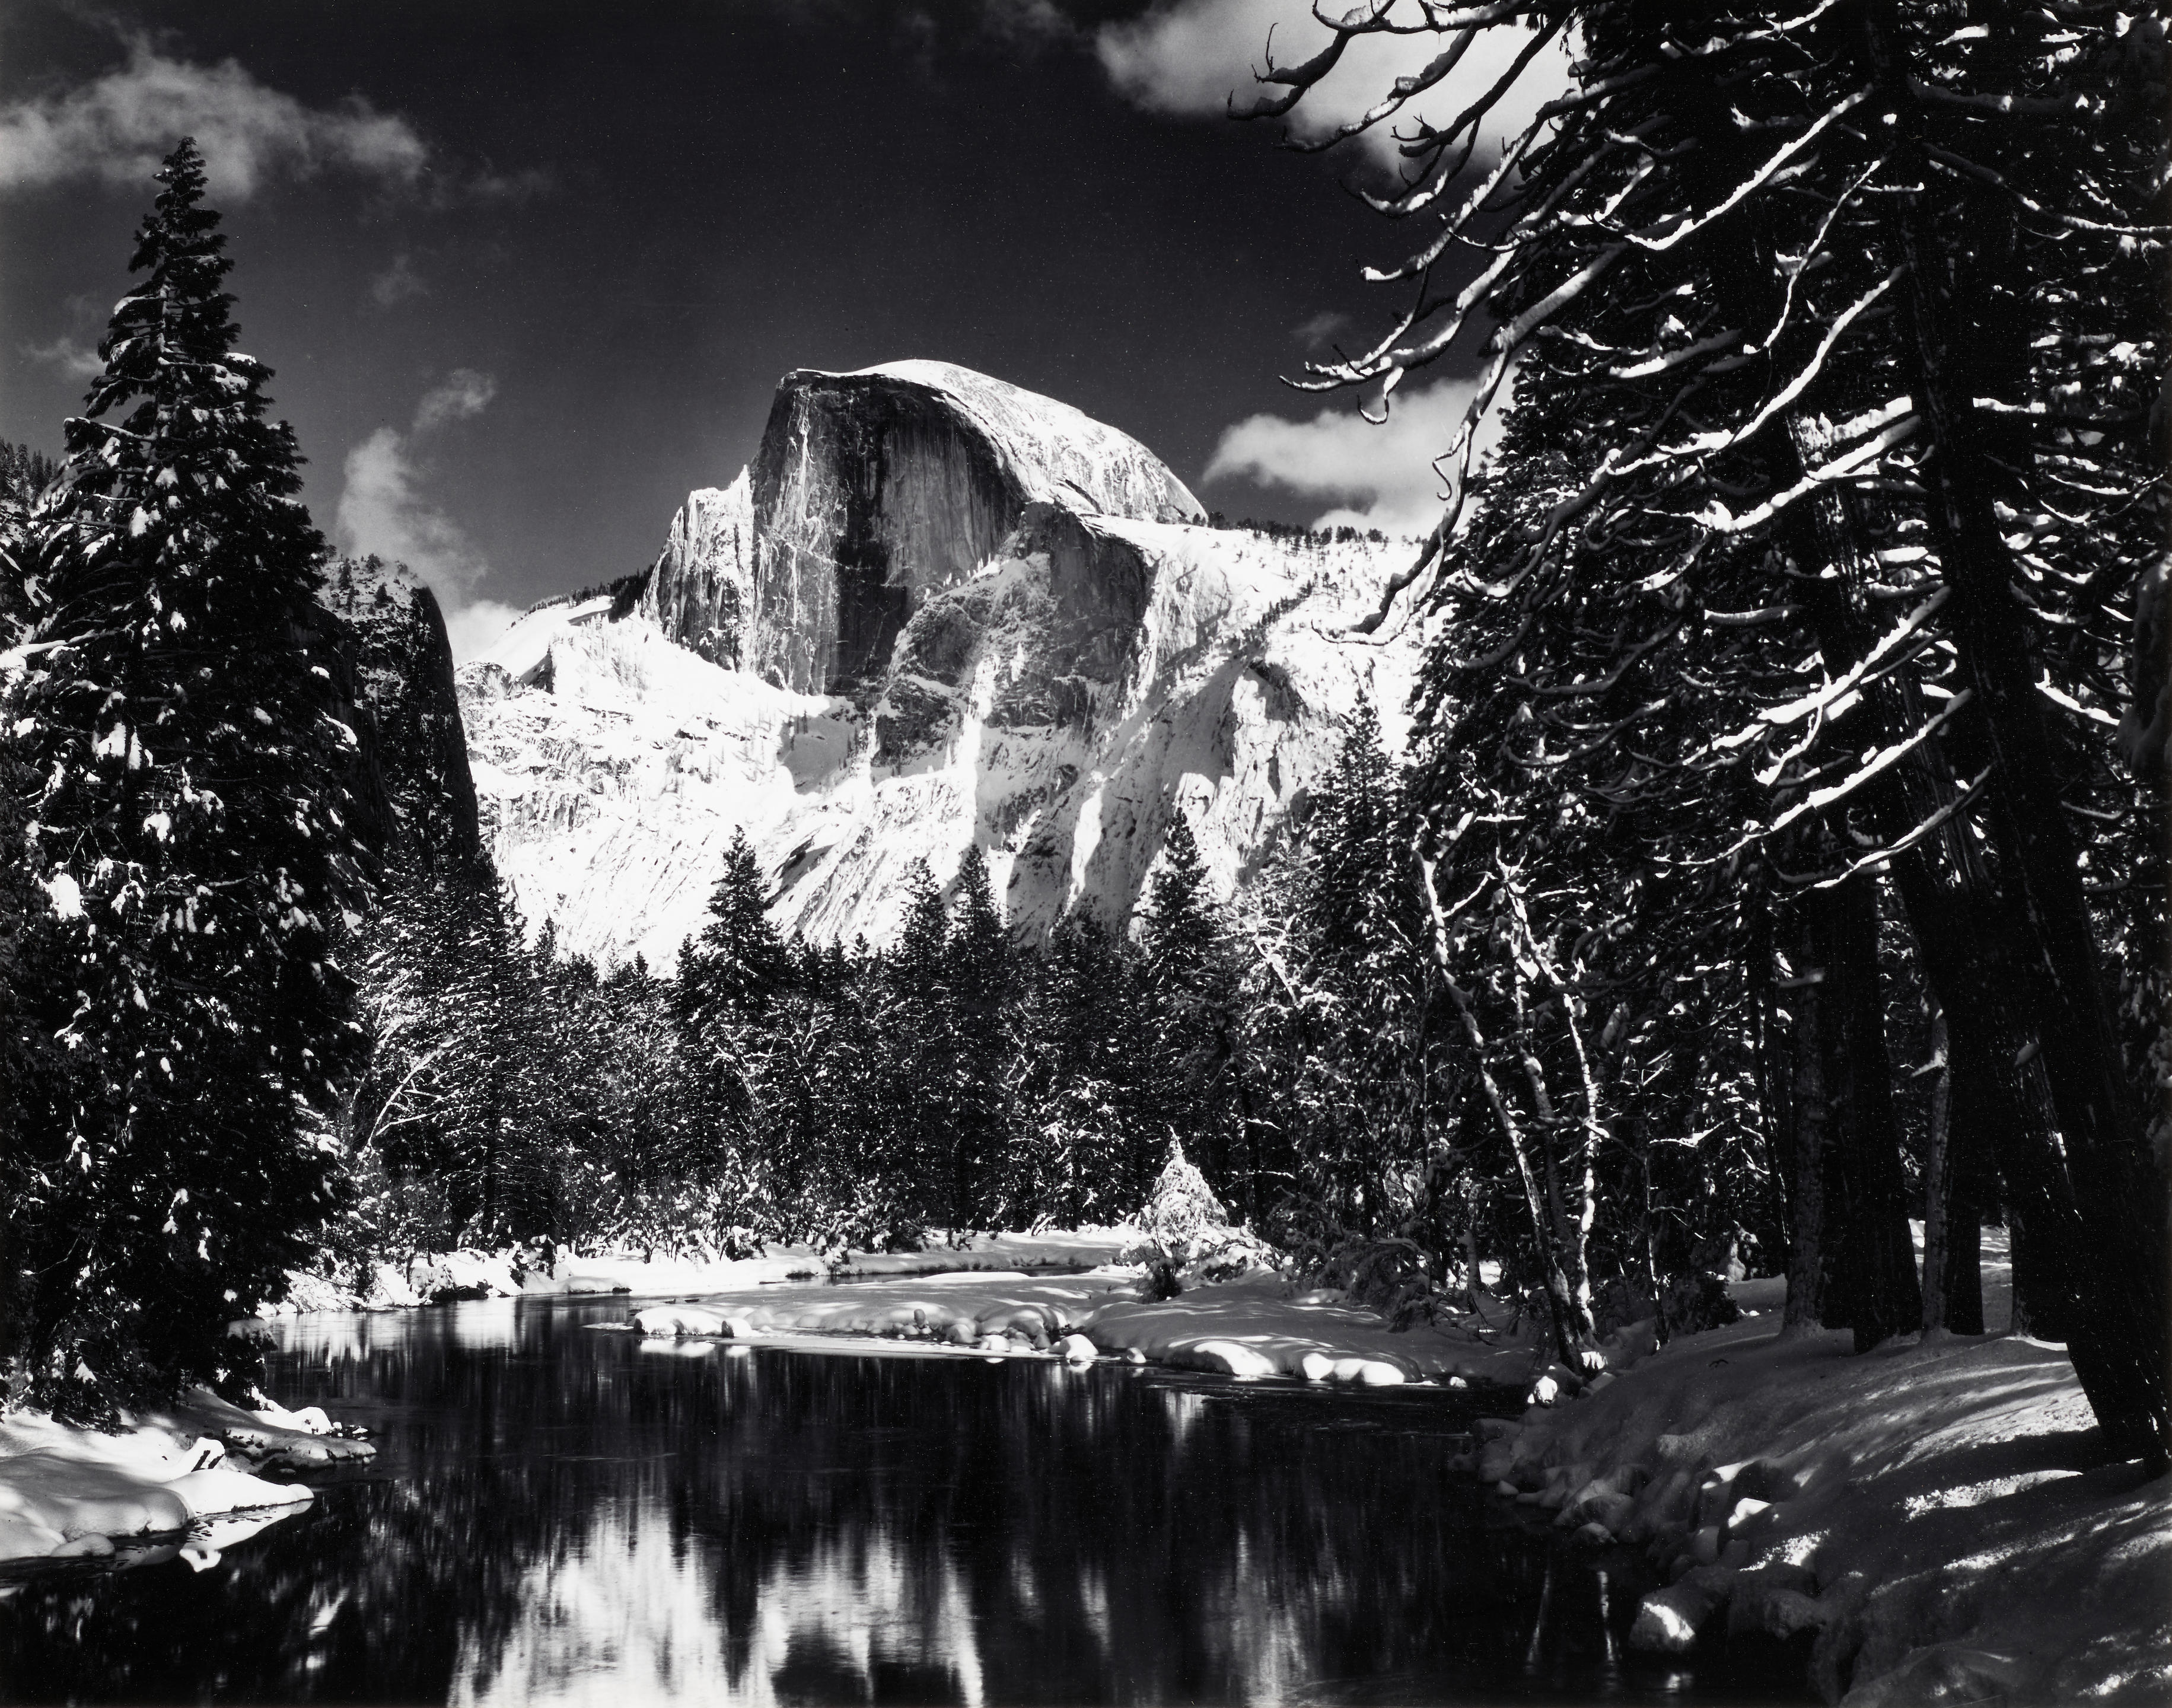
x=1257, y=1328
x=433, y=1276
x=1933, y=1521
x=1087, y=1249
x=183, y=1478
x=1252, y=1327
x=979, y=1293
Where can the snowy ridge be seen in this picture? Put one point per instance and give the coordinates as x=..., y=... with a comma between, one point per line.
x=612, y=766
x=1055, y=702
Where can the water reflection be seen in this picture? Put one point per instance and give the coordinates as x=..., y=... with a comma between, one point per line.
x=561, y=1516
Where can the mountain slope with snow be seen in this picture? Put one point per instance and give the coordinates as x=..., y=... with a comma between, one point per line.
x=1054, y=659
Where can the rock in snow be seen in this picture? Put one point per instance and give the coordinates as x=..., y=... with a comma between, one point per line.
x=701, y=591
x=937, y=611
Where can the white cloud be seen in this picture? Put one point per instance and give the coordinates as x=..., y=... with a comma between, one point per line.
x=1323, y=329
x=119, y=126
x=465, y=393
x=472, y=628
x=1189, y=58
x=73, y=357
x=1382, y=475
x=398, y=283
x=383, y=510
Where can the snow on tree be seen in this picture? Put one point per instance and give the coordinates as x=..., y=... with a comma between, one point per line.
x=188, y=831
x=737, y=961
x=1185, y=1234
x=1831, y=331
x=1083, y=1139
x=1188, y=982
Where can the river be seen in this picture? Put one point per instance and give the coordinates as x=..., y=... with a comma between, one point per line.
x=560, y=1515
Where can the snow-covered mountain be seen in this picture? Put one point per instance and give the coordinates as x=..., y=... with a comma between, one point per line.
x=937, y=610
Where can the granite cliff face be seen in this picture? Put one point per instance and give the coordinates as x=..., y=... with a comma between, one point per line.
x=414, y=796
x=872, y=489
x=940, y=611
x=701, y=591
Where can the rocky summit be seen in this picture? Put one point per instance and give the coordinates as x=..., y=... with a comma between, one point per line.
x=936, y=610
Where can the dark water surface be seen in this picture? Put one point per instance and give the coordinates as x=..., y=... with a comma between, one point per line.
x=563, y=1516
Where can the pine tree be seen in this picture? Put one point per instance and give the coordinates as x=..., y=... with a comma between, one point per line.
x=917, y=1022
x=737, y=962
x=1082, y=1141
x=1181, y=924
x=473, y=1080
x=1338, y=1014
x=979, y=968
x=1186, y=973
x=190, y=831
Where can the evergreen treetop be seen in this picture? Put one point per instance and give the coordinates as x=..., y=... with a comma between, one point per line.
x=737, y=960
x=1181, y=927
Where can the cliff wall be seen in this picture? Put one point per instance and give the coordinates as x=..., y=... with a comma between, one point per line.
x=414, y=795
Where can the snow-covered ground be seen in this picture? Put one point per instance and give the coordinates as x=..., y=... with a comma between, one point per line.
x=511, y=1274
x=1933, y=1520
x=179, y=1482
x=1255, y=1325
x=1252, y=1327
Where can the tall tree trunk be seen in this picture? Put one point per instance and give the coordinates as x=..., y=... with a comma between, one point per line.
x=2000, y=1118
x=1938, y=1174
x=2045, y=1237
x=2121, y=1340
x=1569, y=1231
x=1572, y=1327
x=1876, y=1291
x=1806, y=1131
x=1962, y=1103
x=1968, y=1115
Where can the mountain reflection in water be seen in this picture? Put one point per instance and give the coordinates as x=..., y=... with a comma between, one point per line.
x=563, y=1516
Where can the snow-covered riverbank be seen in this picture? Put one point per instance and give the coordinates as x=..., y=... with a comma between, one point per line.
x=1003, y=1294
x=179, y=1482
x=1932, y=1522
x=1253, y=1326
x=432, y=1276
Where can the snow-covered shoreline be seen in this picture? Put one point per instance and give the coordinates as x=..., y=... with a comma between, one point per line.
x=1929, y=1522
x=179, y=1482
x=436, y=1277
x=1006, y=1294
x=1253, y=1326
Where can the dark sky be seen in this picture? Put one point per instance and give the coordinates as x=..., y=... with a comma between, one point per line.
x=597, y=234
